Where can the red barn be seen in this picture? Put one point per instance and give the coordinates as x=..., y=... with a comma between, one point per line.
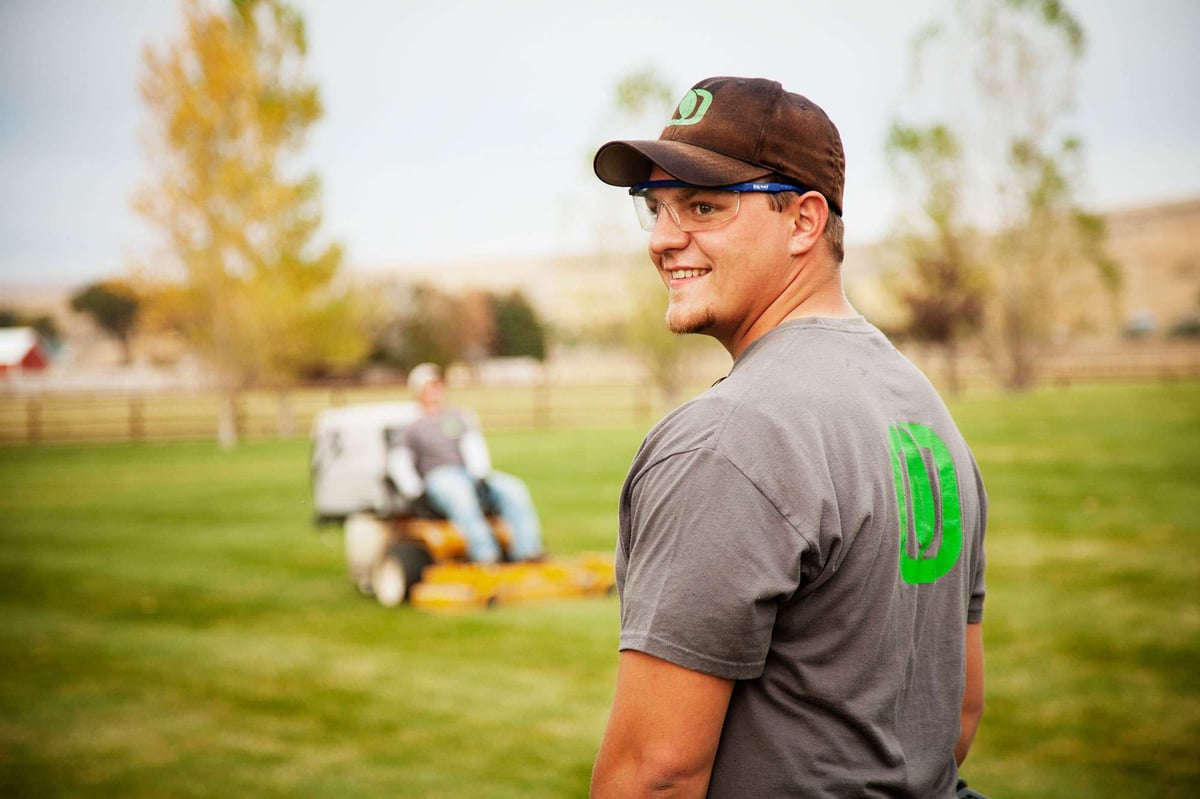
x=22, y=350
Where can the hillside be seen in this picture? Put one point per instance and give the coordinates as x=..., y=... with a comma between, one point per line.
x=1158, y=247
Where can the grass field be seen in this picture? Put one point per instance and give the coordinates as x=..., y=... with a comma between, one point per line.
x=172, y=625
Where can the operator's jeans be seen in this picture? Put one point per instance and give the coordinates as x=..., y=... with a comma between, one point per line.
x=451, y=491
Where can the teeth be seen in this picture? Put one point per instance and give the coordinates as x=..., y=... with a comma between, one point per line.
x=679, y=274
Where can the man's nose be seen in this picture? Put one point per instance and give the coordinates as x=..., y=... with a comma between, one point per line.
x=667, y=235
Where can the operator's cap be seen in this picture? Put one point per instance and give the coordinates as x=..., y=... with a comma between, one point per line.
x=734, y=130
x=422, y=375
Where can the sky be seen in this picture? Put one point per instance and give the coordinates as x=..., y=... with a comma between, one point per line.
x=464, y=129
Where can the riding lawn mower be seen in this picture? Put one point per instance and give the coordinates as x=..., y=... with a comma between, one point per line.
x=401, y=550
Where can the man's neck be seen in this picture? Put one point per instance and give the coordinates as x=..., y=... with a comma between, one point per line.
x=804, y=297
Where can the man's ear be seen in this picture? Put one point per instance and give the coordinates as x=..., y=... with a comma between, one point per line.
x=810, y=214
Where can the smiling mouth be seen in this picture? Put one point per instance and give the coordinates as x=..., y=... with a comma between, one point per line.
x=681, y=274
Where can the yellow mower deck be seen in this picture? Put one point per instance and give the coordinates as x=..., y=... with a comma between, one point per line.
x=465, y=586
x=448, y=581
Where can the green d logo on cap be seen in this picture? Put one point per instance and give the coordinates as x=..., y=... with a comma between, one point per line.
x=693, y=107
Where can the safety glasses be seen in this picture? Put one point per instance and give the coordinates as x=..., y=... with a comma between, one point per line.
x=695, y=207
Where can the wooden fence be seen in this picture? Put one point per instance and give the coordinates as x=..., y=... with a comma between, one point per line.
x=179, y=416
x=1124, y=361
x=160, y=416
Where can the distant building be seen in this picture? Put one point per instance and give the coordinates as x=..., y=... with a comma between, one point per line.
x=22, y=349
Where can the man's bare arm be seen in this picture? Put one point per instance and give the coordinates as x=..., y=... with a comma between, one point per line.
x=662, y=732
x=972, y=704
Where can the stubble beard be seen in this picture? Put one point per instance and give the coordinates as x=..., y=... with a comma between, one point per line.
x=683, y=323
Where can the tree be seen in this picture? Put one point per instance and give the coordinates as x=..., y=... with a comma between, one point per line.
x=519, y=331
x=476, y=330
x=230, y=110
x=44, y=324
x=645, y=96
x=945, y=288
x=414, y=323
x=662, y=352
x=420, y=323
x=1006, y=83
x=113, y=306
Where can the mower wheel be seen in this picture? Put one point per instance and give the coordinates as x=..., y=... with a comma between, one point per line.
x=397, y=571
x=366, y=541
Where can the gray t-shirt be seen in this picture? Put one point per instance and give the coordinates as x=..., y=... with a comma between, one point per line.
x=436, y=440
x=761, y=541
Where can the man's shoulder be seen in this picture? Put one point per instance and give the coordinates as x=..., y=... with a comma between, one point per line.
x=693, y=424
x=725, y=419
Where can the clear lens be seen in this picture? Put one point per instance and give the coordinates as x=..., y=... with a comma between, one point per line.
x=647, y=213
x=690, y=209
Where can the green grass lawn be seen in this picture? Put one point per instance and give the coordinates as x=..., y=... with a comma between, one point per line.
x=171, y=624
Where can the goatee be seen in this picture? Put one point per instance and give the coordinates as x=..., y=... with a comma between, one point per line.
x=691, y=323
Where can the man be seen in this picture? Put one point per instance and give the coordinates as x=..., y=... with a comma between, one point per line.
x=800, y=557
x=444, y=457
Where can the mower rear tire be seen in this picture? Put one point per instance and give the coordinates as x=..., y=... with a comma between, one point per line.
x=398, y=571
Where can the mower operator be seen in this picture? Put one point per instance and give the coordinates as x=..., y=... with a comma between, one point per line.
x=800, y=557
x=443, y=457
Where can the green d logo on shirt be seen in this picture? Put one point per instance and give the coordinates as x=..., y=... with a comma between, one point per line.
x=928, y=502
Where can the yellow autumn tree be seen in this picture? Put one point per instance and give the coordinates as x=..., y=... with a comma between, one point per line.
x=255, y=294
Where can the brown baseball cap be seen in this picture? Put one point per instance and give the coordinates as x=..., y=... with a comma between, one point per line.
x=733, y=130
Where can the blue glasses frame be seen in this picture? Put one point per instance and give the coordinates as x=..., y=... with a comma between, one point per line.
x=767, y=188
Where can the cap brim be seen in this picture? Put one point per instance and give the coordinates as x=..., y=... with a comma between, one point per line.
x=628, y=163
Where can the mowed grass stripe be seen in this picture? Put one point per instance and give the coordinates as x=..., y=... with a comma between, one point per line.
x=172, y=624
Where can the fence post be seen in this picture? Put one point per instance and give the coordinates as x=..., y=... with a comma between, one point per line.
x=285, y=422
x=33, y=420
x=137, y=425
x=229, y=423
x=641, y=404
x=542, y=408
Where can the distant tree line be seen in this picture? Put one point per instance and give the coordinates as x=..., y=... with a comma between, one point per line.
x=244, y=280
x=415, y=323
x=113, y=305
x=44, y=324
x=400, y=326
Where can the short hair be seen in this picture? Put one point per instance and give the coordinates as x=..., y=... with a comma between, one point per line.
x=422, y=375
x=835, y=228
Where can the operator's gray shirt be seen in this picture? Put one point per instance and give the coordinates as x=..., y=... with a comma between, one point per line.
x=436, y=439
x=761, y=541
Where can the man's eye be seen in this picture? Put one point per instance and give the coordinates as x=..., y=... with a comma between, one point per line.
x=704, y=209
